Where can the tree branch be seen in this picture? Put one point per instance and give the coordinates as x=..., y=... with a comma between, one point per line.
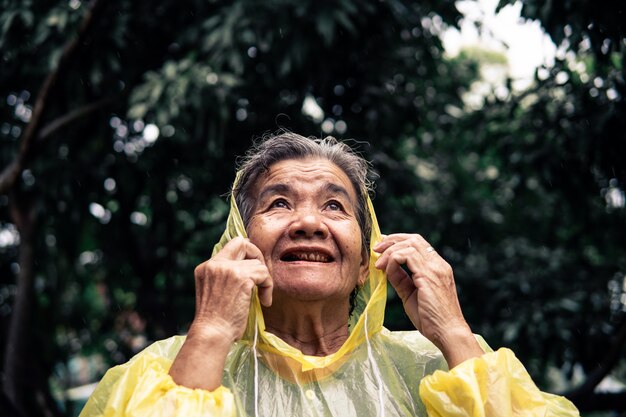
x=69, y=117
x=601, y=401
x=11, y=172
x=610, y=359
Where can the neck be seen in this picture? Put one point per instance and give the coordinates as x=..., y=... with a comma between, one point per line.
x=315, y=328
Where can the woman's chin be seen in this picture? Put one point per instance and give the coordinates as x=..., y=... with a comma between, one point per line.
x=310, y=282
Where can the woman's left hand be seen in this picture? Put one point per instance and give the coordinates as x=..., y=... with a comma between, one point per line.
x=428, y=294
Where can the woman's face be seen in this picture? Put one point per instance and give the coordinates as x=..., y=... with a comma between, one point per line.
x=305, y=224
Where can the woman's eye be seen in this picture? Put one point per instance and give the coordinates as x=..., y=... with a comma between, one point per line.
x=279, y=204
x=334, y=206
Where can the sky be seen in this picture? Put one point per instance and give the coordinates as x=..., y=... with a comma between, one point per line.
x=523, y=42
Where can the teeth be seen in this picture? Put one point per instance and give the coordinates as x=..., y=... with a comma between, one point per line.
x=310, y=256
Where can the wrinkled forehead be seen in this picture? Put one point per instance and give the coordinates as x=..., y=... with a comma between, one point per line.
x=314, y=172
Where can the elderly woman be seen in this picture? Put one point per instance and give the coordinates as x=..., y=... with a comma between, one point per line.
x=289, y=313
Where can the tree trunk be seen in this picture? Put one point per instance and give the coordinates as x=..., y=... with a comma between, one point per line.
x=17, y=347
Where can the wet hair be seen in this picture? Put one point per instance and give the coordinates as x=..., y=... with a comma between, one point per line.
x=284, y=145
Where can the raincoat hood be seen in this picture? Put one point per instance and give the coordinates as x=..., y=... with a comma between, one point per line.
x=365, y=321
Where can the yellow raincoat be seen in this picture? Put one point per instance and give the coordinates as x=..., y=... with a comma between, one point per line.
x=375, y=373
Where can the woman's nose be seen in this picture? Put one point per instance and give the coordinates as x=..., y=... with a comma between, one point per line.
x=308, y=224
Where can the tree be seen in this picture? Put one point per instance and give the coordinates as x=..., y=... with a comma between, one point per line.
x=118, y=194
x=122, y=219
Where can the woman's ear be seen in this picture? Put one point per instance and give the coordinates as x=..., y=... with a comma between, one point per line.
x=364, y=267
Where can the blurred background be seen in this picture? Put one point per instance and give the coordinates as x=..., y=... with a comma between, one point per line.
x=497, y=129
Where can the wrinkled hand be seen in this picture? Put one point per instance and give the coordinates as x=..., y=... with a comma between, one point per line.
x=428, y=293
x=224, y=286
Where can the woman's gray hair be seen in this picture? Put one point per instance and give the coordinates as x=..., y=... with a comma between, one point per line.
x=285, y=145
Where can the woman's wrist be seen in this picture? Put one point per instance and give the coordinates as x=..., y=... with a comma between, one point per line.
x=458, y=344
x=200, y=361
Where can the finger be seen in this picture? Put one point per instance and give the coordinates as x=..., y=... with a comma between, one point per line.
x=400, y=281
x=420, y=245
x=410, y=257
x=266, y=289
x=386, y=248
x=393, y=239
x=263, y=280
x=385, y=243
x=240, y=248
x=410, y=244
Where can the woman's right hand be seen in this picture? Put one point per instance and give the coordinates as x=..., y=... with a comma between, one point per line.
x=224, y=286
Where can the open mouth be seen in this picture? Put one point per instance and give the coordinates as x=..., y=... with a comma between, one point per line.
x=306, y=256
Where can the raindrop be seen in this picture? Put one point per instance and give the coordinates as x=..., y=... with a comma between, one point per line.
x=339, y=90
x=252, y=51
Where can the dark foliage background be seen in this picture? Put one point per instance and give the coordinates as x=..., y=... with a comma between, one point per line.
x=120, y=124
